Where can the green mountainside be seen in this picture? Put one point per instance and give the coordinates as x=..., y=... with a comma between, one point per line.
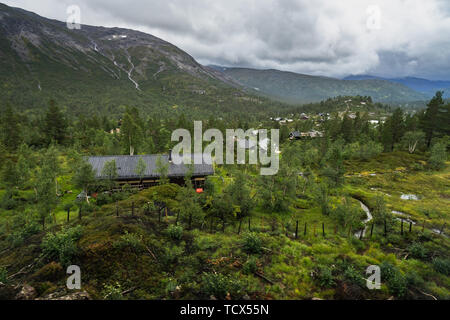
x=98, y=69
x=299, y=88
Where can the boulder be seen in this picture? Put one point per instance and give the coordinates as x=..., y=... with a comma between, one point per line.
x=26, y=293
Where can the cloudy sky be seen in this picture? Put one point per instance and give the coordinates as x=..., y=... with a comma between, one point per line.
x=321, y=37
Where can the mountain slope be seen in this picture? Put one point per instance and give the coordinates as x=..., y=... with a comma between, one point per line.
x=425, y=86
x=97, y=68
x=299, y=88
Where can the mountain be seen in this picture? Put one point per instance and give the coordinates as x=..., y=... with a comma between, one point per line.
x=101, y=69
x=299, y=88
x=425, y=86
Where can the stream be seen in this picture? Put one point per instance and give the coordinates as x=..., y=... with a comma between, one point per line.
x=400, y=216
x=129, y=73
x=368, y=219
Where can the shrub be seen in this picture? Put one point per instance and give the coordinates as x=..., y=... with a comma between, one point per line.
x=129, y=240
x=112, y=292
x=325, y=277
x=252, y=243
x=8, y=202
x=175, y=232
x=171, y=255
x=414, y=279
x=104, y=198
x=250, y=266
x=61, y=246
x=438, y=156
x=397, y=285
x=18, y=237
x=417, y=250
x=395, y=280
x=219, y=285
x=442, y=265
x=3, y=275
x=354, y=276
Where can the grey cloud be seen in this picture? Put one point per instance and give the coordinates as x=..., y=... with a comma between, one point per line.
x=322, y=37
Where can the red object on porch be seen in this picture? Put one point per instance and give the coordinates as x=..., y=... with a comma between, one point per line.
x=199, y=190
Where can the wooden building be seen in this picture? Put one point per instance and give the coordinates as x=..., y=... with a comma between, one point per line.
x=126, y=170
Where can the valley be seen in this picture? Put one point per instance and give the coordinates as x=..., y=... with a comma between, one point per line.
x=90, y=125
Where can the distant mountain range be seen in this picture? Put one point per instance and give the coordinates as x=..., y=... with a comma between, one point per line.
x=427, y=87
x=300, y=88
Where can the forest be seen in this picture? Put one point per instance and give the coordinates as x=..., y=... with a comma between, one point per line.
x=301, y=234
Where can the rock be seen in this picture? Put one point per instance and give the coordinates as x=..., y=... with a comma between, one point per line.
x=26, y=293
x=316, y=298
x=212, y=298
x=82, y=295
x=246, y=297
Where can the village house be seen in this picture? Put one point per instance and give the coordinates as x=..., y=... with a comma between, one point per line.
x=296, y=135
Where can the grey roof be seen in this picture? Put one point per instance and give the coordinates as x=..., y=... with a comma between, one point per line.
x=126, y=166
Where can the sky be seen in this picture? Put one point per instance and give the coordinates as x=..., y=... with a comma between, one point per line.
x=389, y=38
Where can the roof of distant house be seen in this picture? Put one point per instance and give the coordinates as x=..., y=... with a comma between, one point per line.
x=126, y=166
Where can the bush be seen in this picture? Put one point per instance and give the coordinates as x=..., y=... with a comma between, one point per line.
x=219, y=285
x=129, y=240
x=395, y=280
x=171, y=255
x=18, y=237
x=413, y=279
x=442, y=265
x=112, y=291
x=61, y=246
x=104, y=198
x=438, y=156
x=3, y=275
x=8, y=202
x=175, y=232
x=354, y=276
x=252, y=243
x=325, y=277
x=250, y=266
x=417, y=251
x=397, y=285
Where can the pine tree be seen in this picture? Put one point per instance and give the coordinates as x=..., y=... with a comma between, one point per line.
x=10, y=134
x=430, y=117
x=55, y=124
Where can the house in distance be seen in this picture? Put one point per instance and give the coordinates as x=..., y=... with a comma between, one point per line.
x=126, y=170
